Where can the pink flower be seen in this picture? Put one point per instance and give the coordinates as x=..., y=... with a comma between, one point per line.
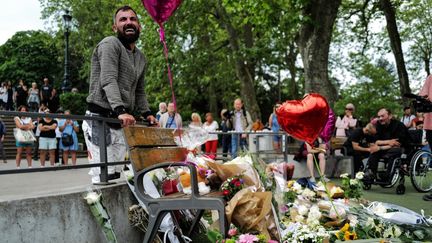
x=232, y=232
x=226, y=192
x=247, y=238
x=237, y=183
x=272, y=241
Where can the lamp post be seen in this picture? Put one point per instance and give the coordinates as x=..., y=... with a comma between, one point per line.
x=67, y=21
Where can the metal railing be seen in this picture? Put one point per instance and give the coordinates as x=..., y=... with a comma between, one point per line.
x=103, y=164
x=256, y=138
x=102, y=123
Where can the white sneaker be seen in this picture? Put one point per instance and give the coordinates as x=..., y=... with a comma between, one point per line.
x=312, y=179
x=29, y=167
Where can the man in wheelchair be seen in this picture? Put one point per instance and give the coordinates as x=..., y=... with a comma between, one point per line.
x=391, y=138
x=358, y=144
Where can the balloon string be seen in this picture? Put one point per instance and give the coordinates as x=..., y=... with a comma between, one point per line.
x=162, y=39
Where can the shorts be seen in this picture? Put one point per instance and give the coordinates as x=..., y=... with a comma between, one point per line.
x=47, y=143
x=23, y=145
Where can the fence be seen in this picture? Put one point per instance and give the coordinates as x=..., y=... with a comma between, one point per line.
x=102, y=123
x=254, y=138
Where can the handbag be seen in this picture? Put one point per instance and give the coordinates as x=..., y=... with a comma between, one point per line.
x=67, y=139
x=24, y=136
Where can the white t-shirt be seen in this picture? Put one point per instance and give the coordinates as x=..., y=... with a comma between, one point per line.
x=211, y=128
x=407, y=119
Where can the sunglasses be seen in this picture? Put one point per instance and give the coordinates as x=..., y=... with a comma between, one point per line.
x=349, y=109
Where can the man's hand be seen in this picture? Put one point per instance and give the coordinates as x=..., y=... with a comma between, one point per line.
x=374, y=148
x=152, y=120
x=244, y=135
x=394, y=143
x=127, y=120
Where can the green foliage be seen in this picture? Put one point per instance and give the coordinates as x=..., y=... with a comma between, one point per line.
x=214, y=236
x=29, y=55
x=75, y=102
x=377, y=88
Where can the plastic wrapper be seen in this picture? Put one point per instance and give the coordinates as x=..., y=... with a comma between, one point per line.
x=191, y=138
x=251, y=211
x=249, y=174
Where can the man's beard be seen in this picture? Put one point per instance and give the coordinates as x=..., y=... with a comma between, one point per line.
x=127, y=39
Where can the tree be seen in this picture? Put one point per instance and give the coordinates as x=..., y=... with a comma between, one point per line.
x=418, y=31
x=31, y=56
x=395, y=42
x=314, y=40
x=377, y=88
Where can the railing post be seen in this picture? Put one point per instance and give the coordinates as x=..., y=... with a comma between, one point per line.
x=103, y=152
x=286, y=147
x=257, y=137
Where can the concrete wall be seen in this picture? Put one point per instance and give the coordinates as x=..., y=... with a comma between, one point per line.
x=65, y=218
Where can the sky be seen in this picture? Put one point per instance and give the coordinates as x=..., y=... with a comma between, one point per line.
x=19, y=15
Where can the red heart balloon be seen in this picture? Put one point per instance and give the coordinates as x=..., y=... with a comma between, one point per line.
x=161, y=10
x=304, y=119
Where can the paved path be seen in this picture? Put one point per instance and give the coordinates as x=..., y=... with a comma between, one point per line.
x=30, y=185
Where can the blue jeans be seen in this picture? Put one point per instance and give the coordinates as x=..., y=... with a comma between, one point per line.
x=235, y=144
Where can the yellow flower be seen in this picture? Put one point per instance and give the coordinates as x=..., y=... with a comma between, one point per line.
x=350, y=236
x=290, y=183
x=345, y=228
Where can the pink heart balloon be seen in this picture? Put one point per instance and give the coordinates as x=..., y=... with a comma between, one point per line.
x=329, y=127
x=161, y=10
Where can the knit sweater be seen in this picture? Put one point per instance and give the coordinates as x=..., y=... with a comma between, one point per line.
x=117, y=77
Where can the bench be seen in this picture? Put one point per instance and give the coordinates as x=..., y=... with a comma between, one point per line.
x=337, y=143
x=154, y=148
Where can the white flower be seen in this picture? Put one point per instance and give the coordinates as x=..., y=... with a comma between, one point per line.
x=297, y=187
x=353, y=182
x=92, y=197
x=397, y=231
x=388, y=233
x=299, y=218
x=359, y=175
x=314, y=215
x=302, y=210
x=308, y=193
x=379, y=209
x=345, y=175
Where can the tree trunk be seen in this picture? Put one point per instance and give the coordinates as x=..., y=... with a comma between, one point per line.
x=396, y=46
x=290, y=59
x=426, y=60
x=242, y=65
x=313, y=41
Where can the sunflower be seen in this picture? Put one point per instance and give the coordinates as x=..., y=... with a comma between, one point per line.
x=345, y=228
x=350, y=235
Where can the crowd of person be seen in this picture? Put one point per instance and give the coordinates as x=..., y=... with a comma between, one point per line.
x=42, y=137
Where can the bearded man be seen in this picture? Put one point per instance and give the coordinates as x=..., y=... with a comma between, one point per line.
x=116, y=90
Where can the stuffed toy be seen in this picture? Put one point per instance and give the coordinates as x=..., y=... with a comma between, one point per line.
x=185, y=181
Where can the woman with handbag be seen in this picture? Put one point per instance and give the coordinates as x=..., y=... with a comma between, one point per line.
x=24, y=137
x=69, y=138
x=47, y=139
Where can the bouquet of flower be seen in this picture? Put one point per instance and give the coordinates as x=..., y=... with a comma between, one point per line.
x=94, y=200
x=298, y=233
x=234, y=236
x=231, y=186
x=353, y=188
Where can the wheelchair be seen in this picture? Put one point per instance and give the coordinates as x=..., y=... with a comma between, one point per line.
x=391, y=171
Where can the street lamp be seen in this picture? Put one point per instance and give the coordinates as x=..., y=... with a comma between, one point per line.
x=67, y=22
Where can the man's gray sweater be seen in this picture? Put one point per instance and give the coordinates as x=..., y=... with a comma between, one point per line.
x=117, y=77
